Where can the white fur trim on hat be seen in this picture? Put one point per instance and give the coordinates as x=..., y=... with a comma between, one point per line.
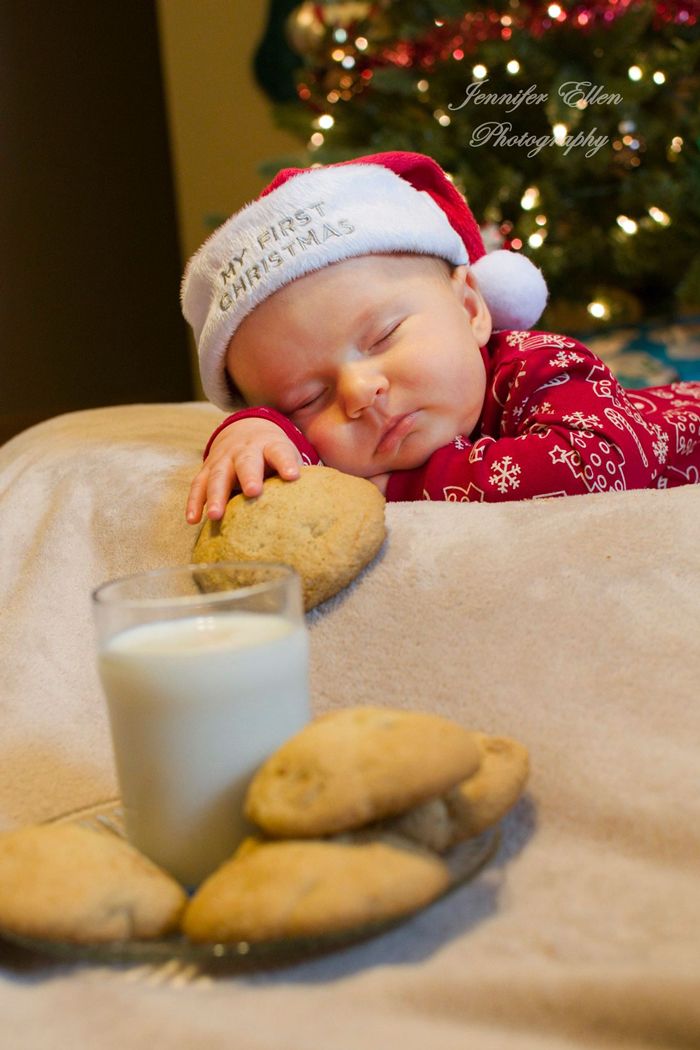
x=513, y=289
x=319, y=217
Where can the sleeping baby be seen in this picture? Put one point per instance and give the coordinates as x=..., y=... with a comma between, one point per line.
x=354, y=308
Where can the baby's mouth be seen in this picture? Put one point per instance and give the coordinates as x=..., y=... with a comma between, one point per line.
x=396, y=429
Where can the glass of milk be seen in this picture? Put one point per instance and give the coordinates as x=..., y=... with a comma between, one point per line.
x=205, y=669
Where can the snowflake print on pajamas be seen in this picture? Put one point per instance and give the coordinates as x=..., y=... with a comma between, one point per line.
x=563, y=360
x=660, y=446
x=581, y=421
x=542, y=409
x=504, y=474
x=554, y=421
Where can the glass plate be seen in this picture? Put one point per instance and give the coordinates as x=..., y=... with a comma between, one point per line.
x=465, y=862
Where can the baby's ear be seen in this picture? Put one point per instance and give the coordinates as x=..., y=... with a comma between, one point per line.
x=467, y=290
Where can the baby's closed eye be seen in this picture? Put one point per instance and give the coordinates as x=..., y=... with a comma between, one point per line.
x=379, y=344
x=309, y=401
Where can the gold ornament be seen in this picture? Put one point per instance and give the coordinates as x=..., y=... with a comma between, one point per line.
x=307, y=32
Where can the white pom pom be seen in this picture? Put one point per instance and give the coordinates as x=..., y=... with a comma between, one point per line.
x=513, y=288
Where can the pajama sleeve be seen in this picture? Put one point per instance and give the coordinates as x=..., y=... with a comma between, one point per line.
x=556, y=422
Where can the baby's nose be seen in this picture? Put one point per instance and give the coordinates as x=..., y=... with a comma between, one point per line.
x=359, y=387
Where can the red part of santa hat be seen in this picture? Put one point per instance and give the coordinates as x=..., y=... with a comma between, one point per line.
x=309, y=218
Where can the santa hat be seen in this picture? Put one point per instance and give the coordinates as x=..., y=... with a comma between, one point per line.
x=308, y=218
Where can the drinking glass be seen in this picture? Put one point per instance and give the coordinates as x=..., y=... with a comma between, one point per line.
x=205, y=670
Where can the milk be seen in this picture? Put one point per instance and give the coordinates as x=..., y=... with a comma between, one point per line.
x=195, y=705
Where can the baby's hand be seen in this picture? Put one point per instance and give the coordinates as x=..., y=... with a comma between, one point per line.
x=242, y=453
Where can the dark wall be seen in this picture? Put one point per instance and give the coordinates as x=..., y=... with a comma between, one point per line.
x=90, y=267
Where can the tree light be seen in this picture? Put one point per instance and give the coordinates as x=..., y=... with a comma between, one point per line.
x=326, y=121
x=634, y=73
x=513, y=66
x=662, y=217
x=629, y=226
x=530, y=198
x=659, y=77
x=442, y=118
x=479, y=71
x=599, y=310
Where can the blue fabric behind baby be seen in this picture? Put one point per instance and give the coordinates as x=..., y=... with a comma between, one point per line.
x=650, y=354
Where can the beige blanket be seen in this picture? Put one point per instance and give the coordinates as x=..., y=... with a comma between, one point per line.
x=571, y=624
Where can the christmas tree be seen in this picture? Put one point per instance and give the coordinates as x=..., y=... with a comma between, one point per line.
x=573, y=129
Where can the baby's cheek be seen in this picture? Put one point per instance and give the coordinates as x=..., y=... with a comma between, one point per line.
x=336, y=445
x=329, y=448
x=321, y=436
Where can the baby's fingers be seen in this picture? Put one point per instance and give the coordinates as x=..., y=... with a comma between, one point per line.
x=252, y=465
x=250, y=470
x=220, y=482
x=284, y=459
x=196, y=497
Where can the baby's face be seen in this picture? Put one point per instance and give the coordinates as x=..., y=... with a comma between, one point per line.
x=375, y=359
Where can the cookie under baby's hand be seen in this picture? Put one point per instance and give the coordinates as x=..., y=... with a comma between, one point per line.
x=327, y=525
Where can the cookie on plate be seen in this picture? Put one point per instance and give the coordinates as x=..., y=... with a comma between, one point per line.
x=297, y=888
x=65, y=882
x=327, y=525
x=474, y=804
x=355, y=766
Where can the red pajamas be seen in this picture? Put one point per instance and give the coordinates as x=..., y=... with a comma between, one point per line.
x=555, y=422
